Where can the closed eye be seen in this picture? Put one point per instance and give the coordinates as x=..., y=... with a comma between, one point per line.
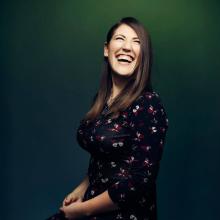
x=137, y=41
x=120, y=38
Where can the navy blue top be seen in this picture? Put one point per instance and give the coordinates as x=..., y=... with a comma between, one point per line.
x=124, y=157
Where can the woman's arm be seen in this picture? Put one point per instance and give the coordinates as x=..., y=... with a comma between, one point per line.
x=83, y=185
x=99, y=204
x=78, y=193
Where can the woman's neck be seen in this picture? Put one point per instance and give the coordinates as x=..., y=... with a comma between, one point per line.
x=118, y=83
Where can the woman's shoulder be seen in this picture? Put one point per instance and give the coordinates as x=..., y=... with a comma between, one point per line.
x=148, y=98
x=147, y=104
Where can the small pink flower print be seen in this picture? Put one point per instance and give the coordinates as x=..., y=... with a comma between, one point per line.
x=137, y=109
x=145, y=147
x=139, y=136
x=146, y=163
x=98, y=123
x=153, y=129
x=99, y=138
x=116, y=128
x=130, y=160
x=125, y=115
x=148, y=96
x=150, y=109
x=116, y=185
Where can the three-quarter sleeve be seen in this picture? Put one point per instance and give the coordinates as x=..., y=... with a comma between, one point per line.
x=148, y=124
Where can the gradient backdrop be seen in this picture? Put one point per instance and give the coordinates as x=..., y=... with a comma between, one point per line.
x=51, y=55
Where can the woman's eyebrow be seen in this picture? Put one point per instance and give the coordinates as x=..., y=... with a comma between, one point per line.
x=124, y=36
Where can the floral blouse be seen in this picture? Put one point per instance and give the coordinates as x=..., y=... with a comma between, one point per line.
x=124, y=157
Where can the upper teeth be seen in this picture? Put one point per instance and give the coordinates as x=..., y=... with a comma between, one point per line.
x=125, y=57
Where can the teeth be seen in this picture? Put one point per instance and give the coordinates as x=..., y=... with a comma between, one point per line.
x=122, y=60
x=126, y=58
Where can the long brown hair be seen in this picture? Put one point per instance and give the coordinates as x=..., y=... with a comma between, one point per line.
x=137, y=82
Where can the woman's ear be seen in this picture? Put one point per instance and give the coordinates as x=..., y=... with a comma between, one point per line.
x=105, y=49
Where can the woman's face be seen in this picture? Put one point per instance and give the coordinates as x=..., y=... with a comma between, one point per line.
x=123, y=50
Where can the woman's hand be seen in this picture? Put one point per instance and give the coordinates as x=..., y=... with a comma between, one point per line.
x=75, y=196
x=74, y=210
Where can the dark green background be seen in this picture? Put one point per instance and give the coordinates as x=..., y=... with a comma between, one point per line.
x=51, y=55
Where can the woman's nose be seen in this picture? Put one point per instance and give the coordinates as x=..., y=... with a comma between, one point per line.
x=126, y=45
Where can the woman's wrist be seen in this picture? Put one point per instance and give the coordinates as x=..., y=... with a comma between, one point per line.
x=99, y=204
x=85, y=209
x=81, y=188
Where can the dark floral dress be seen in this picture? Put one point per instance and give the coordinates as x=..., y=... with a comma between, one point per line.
x=125, y=153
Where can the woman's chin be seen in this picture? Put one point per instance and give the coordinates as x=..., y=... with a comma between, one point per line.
x=122, y=73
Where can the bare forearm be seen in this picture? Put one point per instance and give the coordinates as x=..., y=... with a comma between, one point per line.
x=83, y=185
x=99, y=204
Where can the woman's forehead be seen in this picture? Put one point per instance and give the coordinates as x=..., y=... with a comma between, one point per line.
x=125, y=30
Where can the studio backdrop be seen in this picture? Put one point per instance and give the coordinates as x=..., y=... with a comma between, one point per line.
x=51, y=56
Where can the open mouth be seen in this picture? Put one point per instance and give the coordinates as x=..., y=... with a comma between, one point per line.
x=122, y=58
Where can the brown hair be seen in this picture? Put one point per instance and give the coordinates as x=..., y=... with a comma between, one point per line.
x=137, y=82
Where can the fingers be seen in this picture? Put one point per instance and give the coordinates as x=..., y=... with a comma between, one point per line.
x=67, y=201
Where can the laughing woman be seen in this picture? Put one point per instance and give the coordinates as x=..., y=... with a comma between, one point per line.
x=124, y=133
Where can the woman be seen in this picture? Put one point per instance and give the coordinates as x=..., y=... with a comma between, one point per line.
x=124, y=132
